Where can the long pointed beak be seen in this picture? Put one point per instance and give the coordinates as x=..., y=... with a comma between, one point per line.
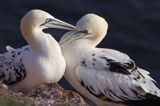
x=58, y=24
x=73, y=35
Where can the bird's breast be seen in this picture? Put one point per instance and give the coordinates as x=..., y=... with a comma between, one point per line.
x=54, y=68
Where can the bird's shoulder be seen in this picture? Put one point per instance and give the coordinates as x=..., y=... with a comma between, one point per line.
x=109, y=60
x=106, y=76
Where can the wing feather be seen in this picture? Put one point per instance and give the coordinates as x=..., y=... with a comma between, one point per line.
x=109, y=78
x=12, y=69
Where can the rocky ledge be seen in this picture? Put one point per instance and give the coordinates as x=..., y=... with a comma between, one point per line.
x=42, y=95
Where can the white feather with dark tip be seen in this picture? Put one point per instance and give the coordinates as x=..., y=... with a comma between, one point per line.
x=108, y=77
x=11, y=65
x=40, y=61
x=102, y=74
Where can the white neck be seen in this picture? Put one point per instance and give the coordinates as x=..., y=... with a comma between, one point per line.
x=40, y=42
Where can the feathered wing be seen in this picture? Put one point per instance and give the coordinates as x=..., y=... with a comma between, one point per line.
x=108, y=77
x=12, y=69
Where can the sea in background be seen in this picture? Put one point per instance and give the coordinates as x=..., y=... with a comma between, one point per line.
x=134, y=25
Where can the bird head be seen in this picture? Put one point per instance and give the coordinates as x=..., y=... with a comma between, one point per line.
x=91, y=28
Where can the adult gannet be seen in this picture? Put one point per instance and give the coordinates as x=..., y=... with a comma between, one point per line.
x=102, y=74
x=40, y=61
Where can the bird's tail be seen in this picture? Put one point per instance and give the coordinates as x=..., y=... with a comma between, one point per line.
x=9, y=48
x=148, y=84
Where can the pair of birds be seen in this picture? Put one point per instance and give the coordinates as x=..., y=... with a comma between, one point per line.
x=100, y=75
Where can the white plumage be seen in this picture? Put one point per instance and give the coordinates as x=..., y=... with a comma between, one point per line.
x=102, y=74
x=40, y=61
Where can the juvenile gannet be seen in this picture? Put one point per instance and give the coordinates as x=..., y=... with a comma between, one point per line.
x=102, y=74
x=40, y=61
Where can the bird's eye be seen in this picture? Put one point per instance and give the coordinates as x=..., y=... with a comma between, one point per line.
x=84, y=31
x=47, y=20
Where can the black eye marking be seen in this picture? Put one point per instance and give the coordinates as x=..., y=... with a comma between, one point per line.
x=47, y=20
x=50, y=20
x=85, y=31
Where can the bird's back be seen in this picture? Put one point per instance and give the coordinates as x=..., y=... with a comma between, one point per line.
x=110, y=74
x=12, y=69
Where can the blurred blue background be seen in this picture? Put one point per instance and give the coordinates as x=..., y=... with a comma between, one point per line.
x=133, y=25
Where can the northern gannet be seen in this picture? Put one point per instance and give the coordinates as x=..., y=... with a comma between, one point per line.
x=40, y=61
x=102, y=74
